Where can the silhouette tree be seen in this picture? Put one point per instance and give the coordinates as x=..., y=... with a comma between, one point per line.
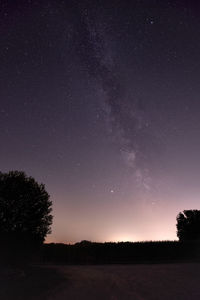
x=188, y=225
x=24, y=209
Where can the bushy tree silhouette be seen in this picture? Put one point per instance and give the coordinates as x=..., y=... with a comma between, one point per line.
x=188, y=225
x=24, y=209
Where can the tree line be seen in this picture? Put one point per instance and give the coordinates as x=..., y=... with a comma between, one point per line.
x=26, y=219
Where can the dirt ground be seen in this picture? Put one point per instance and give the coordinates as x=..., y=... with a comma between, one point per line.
x=137, y=282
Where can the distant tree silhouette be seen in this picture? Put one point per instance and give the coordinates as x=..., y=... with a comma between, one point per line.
x=24, y=209
x=188, y=225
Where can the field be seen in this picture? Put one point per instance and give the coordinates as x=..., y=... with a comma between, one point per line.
x=138, y=282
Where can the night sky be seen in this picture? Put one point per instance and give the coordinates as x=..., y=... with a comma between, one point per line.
x=100, y=101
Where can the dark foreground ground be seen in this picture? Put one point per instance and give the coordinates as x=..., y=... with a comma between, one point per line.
x=137, y=282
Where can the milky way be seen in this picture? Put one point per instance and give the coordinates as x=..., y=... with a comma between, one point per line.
x=127, y=115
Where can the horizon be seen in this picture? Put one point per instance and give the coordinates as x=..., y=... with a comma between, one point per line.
x=104, y=242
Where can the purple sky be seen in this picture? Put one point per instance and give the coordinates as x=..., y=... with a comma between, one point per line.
x=100, y=101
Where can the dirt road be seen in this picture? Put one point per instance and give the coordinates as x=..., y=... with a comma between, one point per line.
x=137, y=282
